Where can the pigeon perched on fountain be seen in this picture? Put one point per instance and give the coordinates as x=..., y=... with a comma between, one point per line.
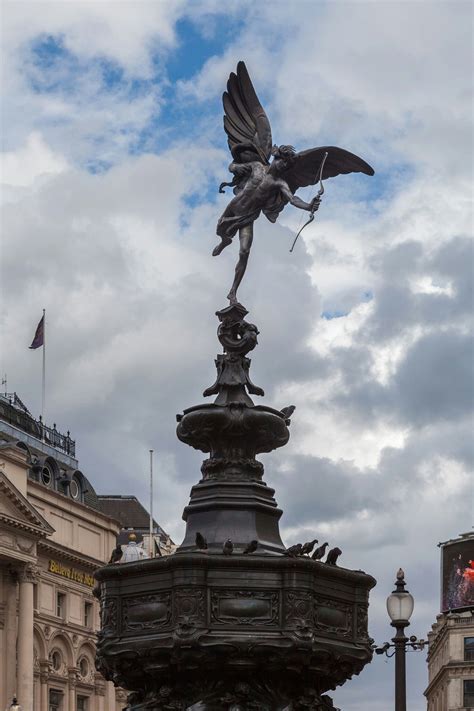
x=228, y=547
x=251, y=547
x=117, y=554
x=319, y=552
x=308, y=547
x=295, y=550
x=201, y=542
x=332, y=556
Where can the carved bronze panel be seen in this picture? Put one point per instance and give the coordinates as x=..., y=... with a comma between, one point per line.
x=333, y=617
x=244, y=607
x=108, y=615
x=189, y=604
x=146, y=612
x=298, y=608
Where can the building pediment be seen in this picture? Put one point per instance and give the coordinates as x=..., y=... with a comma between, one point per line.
x=17, y=512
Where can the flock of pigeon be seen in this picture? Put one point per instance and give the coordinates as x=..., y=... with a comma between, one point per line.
x=298, y=550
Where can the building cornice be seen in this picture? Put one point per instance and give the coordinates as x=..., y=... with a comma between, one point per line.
x=447, y=670
x=449, y=625
x=14, y=454
x=437, y=641
x=33, y=521
x=434, y=682
x=60, y=551
x=11, y=522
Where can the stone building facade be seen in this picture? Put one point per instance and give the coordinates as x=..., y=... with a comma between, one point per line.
x=451, y=639
x=451, y=663
x=53, y=536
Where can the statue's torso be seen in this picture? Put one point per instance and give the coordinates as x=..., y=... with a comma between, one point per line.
x=261, y=186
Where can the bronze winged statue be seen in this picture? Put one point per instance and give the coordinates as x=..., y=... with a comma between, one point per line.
x=260, y=185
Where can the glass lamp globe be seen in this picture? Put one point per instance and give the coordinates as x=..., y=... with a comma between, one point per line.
x=400, y=606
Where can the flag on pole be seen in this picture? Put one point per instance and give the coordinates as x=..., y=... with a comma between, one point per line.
x=38, y=340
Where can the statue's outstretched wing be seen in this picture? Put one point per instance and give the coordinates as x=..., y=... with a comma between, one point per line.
x=304, y=169
x=245, y=122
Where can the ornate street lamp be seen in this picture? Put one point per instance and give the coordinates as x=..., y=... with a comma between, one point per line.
x=400, y=606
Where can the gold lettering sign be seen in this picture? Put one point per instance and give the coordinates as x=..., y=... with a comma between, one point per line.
x=71, y=573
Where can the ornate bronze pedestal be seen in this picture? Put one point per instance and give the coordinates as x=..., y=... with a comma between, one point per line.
x=212, y=625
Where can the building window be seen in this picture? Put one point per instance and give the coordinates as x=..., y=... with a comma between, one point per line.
x=74, y=490
x=88, y=614
x=82, y=703
x=46, y=476
x=61, y=605
x=55, y=700
x=56, y=660
x=35, y=596
x=468, y=649
x=83, y=667
x=468, y=694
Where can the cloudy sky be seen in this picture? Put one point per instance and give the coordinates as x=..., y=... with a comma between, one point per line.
x=113, y=149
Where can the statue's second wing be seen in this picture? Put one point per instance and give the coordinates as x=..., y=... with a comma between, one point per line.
x=245, y=122
x=306, y=166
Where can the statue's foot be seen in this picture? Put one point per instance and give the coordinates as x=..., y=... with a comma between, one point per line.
x=225, y=241
x=232, y=296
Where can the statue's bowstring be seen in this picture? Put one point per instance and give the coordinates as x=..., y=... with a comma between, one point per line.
x=320, y=193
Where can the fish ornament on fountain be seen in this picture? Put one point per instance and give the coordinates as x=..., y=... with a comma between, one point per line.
x=234, y=620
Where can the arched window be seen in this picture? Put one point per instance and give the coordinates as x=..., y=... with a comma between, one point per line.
x=47, y=475
x=75, y=489
x=56, y=660
x=84, y=667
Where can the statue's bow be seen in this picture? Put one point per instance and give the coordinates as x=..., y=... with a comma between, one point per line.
x=319, y=194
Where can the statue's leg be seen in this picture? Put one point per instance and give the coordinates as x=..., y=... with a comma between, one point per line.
x=246, y=239
x=225, y=241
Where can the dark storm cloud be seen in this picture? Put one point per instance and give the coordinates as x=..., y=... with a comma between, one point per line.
x=435, y=381
x=398, y=307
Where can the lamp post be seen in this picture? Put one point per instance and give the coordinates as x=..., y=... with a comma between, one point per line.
x=400, y=606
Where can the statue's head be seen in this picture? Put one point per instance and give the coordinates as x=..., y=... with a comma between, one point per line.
x=283, y=157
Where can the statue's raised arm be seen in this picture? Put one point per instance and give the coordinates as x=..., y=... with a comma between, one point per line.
x=260, y=185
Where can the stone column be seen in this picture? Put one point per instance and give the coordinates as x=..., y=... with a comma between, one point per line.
x=99, y=688
x=110, y=697
x=44, y=674
x=28, y=575
x=72, y=674
x=11, y=581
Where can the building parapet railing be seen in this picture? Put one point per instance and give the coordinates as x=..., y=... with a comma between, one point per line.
x=13, y=411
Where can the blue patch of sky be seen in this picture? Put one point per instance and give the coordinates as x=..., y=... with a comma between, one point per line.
x=97, y=166
x=329, y=315
x=386, y=182
x=196, y=44
x=51, y=66
x=54, y=69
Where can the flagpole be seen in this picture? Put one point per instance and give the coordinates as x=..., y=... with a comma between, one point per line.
x=152, y=547
x=43, y=392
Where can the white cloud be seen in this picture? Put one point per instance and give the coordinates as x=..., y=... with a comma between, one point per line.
x=122, y=31
x=33, y=160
